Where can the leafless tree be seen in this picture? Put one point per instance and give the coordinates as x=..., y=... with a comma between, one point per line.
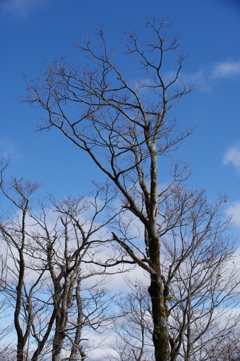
x=48, y=278
x=125, y=126
x=15, y=236
x=200, y=271
x=66, y=248
x=133, y=327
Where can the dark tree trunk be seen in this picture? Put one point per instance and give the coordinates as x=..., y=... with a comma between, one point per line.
x=160, y=320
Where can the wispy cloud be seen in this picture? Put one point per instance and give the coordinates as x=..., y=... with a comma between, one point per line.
x=226, y=69
x=234, y=212
x=197, y=79
x=205, y=78
x=21, y=8
x=232, y=156
x=8, y=149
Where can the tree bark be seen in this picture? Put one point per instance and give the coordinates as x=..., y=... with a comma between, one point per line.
x=160, y=320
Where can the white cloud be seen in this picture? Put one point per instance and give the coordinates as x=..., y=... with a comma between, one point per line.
x=226, y=69
x=234, y=212
x=8, y=149
x=203, y=79
x=197, y=79
x=21, y=7
x=232, y=157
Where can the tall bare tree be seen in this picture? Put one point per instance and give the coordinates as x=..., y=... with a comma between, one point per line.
x=125, y=125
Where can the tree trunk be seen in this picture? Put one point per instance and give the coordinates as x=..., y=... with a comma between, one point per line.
x=156, y=289
x=160, y=320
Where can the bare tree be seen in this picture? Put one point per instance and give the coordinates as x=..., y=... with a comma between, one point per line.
x=199, y=270
x=15, y=236
x=124, y=125
x=133, y=327
x=66, y=248
x=48, y=278
x=198, y=260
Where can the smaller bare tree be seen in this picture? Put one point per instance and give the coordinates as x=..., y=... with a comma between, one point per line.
x=133, y=328
x=14, y=234
x=49, y=278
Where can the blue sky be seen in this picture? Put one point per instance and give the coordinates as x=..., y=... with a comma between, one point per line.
x=34, y=30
